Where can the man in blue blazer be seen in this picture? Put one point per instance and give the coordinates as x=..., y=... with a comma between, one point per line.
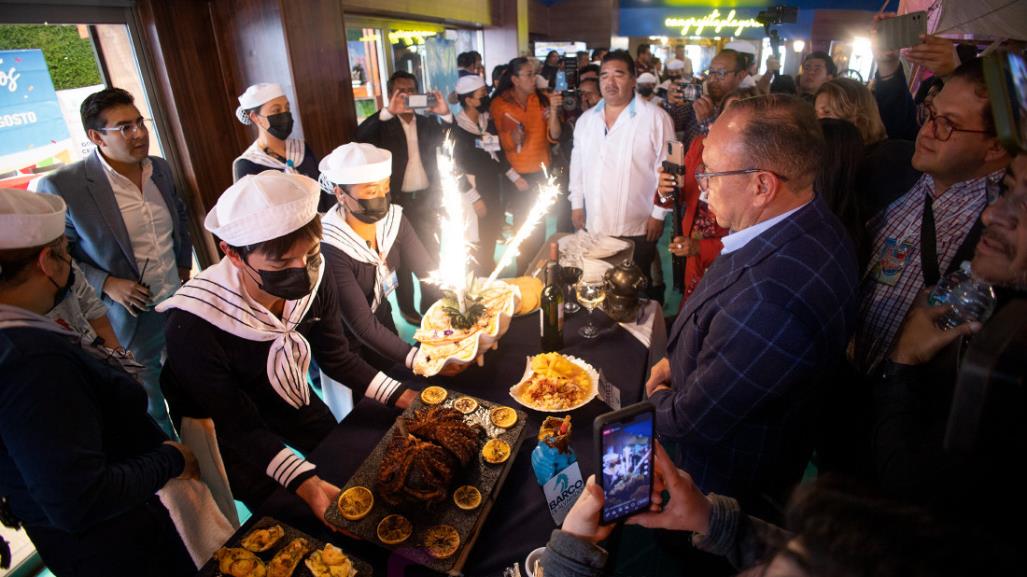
x=127, y=228
x=750, y=351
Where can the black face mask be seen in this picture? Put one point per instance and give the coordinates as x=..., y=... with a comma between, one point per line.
x=62, y=291
x=483, y=106
x=646, y=91
x=289, y=283
x=371, y=209
x=279, y=125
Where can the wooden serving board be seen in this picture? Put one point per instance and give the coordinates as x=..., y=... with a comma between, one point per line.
x=486, y=477
x=210, y=568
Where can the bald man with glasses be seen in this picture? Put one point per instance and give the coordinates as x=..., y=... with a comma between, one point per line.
x=770, y=318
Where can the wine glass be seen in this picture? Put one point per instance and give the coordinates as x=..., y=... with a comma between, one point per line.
x=591, y=293
x=570, y=275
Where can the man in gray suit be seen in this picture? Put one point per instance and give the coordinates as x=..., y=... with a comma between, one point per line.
x=127, y=228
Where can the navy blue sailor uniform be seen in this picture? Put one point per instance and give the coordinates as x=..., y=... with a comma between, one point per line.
x=260, y=410
x=81, y=461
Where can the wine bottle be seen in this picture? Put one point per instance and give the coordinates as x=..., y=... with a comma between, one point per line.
x=551, y=311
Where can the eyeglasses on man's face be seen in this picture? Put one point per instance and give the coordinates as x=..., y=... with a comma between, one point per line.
x=719, y=73
x=129, y=129
x=703, y=178
x=942, y=128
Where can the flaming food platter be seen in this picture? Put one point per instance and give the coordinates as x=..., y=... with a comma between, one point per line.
x=443, y=344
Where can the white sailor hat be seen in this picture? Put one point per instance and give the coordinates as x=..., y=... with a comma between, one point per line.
x=676, y=64
x=469, y=83
x=262, y=207
x=354, y=163
x=255, y=96
x=29, y=219
x=647, y=78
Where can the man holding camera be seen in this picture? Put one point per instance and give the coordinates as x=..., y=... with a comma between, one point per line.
x=618, y=147
x=412, y=140
x=727, y=70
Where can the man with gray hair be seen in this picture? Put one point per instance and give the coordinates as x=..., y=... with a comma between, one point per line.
x=769, y=319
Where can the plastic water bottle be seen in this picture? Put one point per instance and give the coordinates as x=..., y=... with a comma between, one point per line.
x=967, y=297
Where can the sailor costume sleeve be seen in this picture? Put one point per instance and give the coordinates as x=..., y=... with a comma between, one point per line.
x=332, y=350
x=203, y=371
x=356, y=309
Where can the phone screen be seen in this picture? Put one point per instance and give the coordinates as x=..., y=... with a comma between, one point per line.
x=626, y=448
x=1018, y=78
x=417, y=101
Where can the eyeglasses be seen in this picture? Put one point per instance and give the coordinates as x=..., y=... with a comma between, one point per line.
x=942, y=128
x=703, y=178
x=130, y=129
x=719, y=73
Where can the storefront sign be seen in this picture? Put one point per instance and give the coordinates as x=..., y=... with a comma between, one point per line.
x=712, y=22
x=30, y=115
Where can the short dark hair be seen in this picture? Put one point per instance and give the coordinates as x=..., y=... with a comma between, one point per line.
x=622, y=56
x=590, y=68
x=782, y=134
x=738, y=57
x=96, y=104
x=277, y=247
x=783, y=84
x=643, y=48
x=14, y=262
x=584, y=80
x=832, y=68
x=465, y=59
x=972, y=72
x=399, y=75
x=599, y=50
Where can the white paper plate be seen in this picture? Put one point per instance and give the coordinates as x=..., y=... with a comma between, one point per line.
x=593, y=376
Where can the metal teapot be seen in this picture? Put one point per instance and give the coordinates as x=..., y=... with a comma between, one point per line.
x=625, y=279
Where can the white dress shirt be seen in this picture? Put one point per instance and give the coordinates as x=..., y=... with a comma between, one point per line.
x=415, y=178
x=613, y=172
x=150, y=229
x=737, y=240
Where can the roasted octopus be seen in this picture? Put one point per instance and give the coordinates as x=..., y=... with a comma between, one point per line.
x=421, y=462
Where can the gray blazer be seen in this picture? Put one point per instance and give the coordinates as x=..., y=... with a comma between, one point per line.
x=96, y=231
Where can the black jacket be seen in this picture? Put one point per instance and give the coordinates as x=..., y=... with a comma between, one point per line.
x=81, y=460
x=389, y=135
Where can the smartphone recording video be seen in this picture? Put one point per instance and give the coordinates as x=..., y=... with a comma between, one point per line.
x=902, y=31
x=1006, y=76
x=419, y=101
x=624, y=446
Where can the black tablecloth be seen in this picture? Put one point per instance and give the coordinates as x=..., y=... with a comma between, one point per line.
x=520, y=520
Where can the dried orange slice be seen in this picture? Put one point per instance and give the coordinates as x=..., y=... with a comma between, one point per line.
x=441, y=541
x=496, y=451
x=355, y=503
x=433, y=395
x=503, y=417
x=465, y=405
x=467, y=497
x=394, y=529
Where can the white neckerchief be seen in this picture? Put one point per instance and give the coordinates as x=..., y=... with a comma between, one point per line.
x=477, y=128
x=339, y=234
x=295, y=151
x=12, y=317
x=217, y=296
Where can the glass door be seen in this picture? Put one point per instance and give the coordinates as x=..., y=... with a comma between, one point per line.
x=46, y=71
